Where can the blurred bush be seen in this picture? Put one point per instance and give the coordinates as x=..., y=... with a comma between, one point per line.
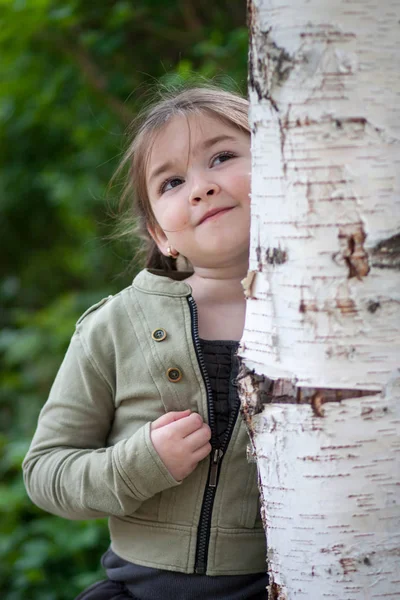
x=72, y=76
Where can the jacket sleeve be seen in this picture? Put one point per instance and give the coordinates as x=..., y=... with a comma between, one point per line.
x=68, y=470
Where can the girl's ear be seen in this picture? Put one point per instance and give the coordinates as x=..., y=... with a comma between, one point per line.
x=159, y=238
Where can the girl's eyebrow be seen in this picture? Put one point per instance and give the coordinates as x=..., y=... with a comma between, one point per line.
x=160, y=170
x=205, y=145
x=219, y=138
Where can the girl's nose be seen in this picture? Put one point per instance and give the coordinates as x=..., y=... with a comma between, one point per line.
x=202, y=191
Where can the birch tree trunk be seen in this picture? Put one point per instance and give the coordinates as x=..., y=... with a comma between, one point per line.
x=320, y=379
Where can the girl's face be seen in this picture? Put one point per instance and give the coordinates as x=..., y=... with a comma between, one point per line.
x=198, y=182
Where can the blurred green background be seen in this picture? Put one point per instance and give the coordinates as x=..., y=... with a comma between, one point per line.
x=72, y=76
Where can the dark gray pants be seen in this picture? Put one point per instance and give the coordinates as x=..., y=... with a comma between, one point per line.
x=128, y=581
x=105, y=590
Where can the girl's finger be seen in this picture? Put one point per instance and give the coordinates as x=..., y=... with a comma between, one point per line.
x=169, y=417
x=187, y=425
x=198, y=438
x=201, y=453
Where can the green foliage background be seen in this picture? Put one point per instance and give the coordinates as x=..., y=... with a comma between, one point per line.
x=72, y=76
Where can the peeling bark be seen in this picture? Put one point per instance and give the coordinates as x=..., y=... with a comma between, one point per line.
x=275, y=592
x=351, y=240
x=258, y=390
x=320, y=380
x=247, y=283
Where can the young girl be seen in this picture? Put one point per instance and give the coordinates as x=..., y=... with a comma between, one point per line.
x=142, y=424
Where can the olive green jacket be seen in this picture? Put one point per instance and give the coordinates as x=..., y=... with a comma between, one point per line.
x=92, y=454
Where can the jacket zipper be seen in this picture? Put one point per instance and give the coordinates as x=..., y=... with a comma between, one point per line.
x=216, y=455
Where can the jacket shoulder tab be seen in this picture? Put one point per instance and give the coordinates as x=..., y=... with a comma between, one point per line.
x=93, y=308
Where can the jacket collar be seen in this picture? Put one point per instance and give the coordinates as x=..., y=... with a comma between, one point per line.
x=163, y=283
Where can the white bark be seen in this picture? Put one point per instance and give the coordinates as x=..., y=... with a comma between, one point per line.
x=324, y=305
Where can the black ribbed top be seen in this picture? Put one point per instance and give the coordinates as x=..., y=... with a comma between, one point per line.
x=222, y=369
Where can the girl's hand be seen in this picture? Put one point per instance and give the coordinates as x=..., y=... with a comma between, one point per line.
x=181, y=440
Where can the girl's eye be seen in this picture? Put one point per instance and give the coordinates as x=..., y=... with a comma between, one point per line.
x=222, y=157
x=169, y=184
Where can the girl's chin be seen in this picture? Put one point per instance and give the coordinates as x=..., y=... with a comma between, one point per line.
x=221, y=258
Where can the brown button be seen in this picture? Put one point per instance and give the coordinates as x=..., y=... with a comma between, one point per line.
x=174, y=374
x=159, y=335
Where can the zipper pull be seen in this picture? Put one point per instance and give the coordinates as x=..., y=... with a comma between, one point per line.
x=216, y=457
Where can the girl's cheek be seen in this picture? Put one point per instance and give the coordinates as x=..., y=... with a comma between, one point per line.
x=243, y=186
x=173, y=219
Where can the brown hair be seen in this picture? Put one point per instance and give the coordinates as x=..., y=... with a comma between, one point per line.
x=135, y=205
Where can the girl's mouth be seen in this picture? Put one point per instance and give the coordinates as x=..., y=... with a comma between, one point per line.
x=214, y=213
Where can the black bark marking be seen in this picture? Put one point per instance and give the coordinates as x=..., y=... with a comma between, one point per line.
x=283, y=129
x=386, y=254
x=373, y=306
x=307, y=306
x=273, y=64
x=258, y=256
x=275, y=256
x=283, y=63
